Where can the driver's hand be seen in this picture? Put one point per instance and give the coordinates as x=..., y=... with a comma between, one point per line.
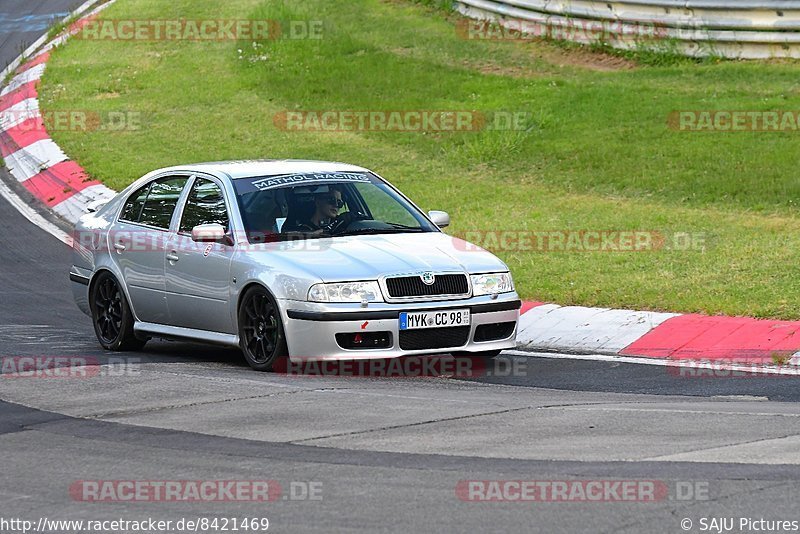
x=341, y=221
x=345, y=217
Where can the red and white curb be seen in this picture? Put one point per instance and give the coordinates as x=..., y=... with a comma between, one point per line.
x=38, y=163
x=664, y=336
x=31, y=157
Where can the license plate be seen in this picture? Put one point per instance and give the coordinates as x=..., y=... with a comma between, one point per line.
x=433, y=319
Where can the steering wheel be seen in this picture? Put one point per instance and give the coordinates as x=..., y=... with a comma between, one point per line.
x=340, y=223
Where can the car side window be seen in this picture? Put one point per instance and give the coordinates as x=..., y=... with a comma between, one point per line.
x=162, y=198
x=205, y=205
x=133, y=207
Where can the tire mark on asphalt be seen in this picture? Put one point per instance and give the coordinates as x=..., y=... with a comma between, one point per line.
x=610, y=407
x=499, y=412
x=720, y=447
x=193, y=404
x=418, y=423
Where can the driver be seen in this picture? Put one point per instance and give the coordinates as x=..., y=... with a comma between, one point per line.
x=327, y=206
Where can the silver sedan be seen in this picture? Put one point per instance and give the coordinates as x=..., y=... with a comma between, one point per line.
x=310, y=260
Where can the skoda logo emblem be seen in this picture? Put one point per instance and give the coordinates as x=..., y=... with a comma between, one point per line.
x=427, y=278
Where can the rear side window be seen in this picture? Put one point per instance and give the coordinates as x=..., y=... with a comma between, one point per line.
x=133, y=207
x=155, y=203
x=205, y=205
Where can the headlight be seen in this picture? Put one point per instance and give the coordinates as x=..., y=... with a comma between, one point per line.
x=487, y=284
x=345, y=292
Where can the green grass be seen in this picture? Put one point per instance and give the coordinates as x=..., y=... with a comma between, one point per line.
x=596, y=152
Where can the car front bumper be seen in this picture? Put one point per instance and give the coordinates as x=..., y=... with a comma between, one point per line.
x=311, y=328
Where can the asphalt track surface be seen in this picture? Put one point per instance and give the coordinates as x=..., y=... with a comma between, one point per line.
x=384, y=454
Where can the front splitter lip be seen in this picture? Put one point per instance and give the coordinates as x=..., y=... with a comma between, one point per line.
x=389, y=354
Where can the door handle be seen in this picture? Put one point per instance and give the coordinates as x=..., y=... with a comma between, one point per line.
x=119, y=246
x=173, y=256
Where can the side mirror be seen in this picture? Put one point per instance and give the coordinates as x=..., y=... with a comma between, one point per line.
x=95, y=205
x=208, y=233
x=439, y=218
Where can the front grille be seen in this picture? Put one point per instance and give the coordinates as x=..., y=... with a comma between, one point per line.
x=495, y=331
x=434, y=338
x=413, y=286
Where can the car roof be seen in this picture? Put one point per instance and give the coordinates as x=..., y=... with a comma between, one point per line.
x=251, y=168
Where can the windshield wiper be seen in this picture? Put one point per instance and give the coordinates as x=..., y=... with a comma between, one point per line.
x=403, y=226
x=394, y=230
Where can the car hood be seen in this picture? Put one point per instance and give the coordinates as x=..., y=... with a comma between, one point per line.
x=372, y=256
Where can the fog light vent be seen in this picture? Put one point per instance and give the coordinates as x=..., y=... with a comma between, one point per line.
x=364, y=340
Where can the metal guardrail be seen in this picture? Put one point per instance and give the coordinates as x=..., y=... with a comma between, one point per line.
x=730, y=28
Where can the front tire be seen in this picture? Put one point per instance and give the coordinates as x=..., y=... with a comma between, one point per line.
x=261, y=335
x=112, y=316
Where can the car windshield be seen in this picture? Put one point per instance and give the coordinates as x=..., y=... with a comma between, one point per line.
x=315, y=205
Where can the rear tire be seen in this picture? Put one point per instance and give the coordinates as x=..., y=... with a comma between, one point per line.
x=261, y=335
x=112, y=316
